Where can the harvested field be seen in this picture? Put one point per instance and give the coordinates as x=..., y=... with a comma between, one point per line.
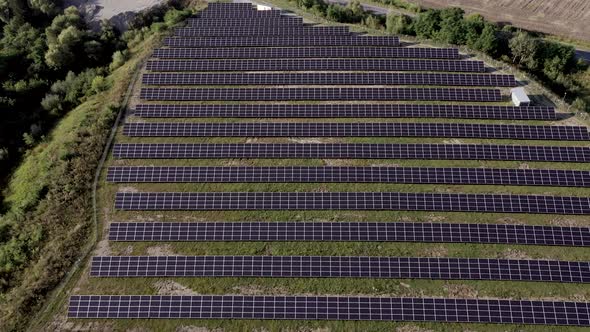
x=561, y=17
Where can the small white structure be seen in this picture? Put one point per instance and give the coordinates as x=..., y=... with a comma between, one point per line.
x=519, y=97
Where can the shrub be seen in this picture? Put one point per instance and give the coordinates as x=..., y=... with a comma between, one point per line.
x=100, y=84
x=174, y=16
x=580, y=105
x=52, y=103
x=399, y=24
x=119, y=59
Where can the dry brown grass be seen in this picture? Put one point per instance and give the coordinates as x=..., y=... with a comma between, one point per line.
x=561, y=17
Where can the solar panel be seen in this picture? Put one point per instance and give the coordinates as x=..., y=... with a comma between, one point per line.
x=316, y=64
x=261, y=30
x=479, y=176
x=341, y=267
x=306, y=52
x=380, y=201
x=305, y=40
x=351, y=231
x=345, y=111
x=290, y=94
x=329, y=308
x=356, y=151
x=330, y=79
x=375, y=129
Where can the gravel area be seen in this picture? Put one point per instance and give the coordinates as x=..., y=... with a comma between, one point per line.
x=117, y=11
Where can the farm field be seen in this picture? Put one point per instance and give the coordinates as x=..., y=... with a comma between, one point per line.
x=371, y=287
x=567, y=18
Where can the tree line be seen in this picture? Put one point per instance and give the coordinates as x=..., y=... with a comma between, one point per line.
x=553, y=63
x=50, y=62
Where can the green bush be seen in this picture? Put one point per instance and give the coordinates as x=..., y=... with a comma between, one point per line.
x=399, y=24
x=52, y=103
x=174, y=16
x=119, y=59
x=372, y=22
x=158, y=27
x=427, y=24
x=100, y=84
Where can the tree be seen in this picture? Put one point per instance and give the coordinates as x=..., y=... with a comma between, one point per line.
x=94, y=50
x=427, y=24
x=487, y=42
x=398, y=24
x=451, y=26
x=473, y=26
x=61, y=53
x=22, y=49
x=52, y=103
x=557, y=59
x=71, y=17
x=356, y=10
x=16, y=9
x=524, y=50
x=47, y=7
x=108, y=32
x=4, y=11
x=335, y=12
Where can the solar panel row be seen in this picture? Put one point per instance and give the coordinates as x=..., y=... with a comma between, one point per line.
x=292, y=94
x=239, y=22
x=479, y=176
x=332, y=308
x=345, y=111
x=244, y=14
x=426, y=79
x=340, y=267
x=251, y=13
x=381, y=201
x=319, y=65
x=375, y=129
x=306, y=52
x=261, y=31
x=351, y=231
x=339, y=40
x=356, y=151
x=229, y=5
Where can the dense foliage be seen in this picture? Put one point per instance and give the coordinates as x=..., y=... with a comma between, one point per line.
x=553, y=63
x=51, y=64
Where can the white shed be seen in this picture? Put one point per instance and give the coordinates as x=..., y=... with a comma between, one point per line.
x=263, y=7
x=519, y=97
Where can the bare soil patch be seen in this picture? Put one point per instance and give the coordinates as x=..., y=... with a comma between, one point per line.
x=461, y=291
x=190, y=328
x=163, y=250
x=169, y=287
